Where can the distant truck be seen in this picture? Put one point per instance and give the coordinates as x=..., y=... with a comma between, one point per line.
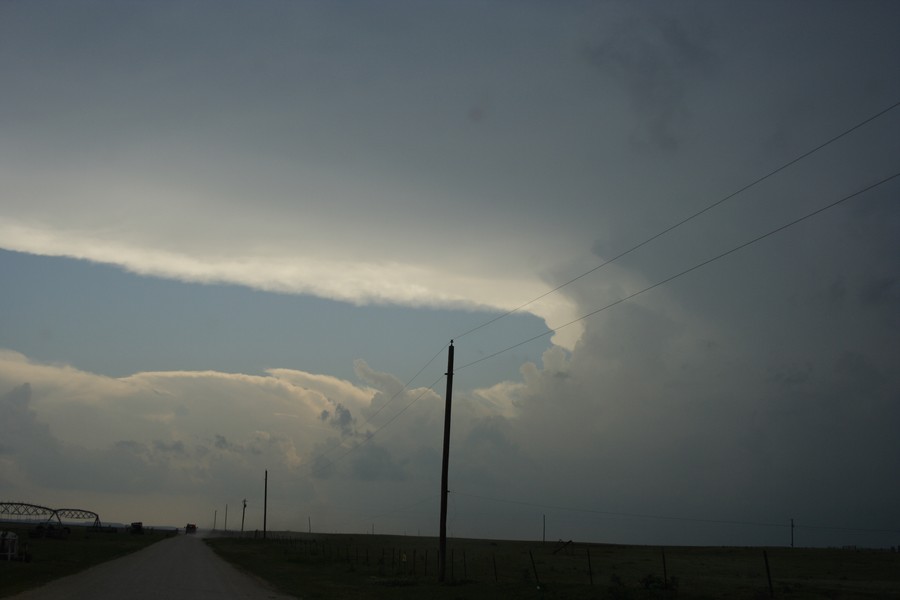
x=190, y=528
x=137, y=528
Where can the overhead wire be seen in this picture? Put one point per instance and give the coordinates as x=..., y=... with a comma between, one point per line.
x=685, y=219
x=686, y=271
x=370, y=435
x=618, y=256
x=405, y=386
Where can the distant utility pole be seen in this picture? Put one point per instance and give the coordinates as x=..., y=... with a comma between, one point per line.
x=792, y=532
x=215, y=518
x=442, y=548
x=243, y=514
x=226, y=517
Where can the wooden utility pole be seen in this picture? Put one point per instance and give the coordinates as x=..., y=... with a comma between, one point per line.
x=265, y=502
x=442, y=548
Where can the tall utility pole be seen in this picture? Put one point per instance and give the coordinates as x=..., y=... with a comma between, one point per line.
x=226, y=517
x=442, y=549
x=265, y=502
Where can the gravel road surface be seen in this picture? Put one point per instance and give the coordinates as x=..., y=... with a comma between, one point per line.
x=178, y=568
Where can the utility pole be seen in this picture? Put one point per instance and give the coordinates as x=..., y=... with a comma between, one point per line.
x=243, y=514
x=226, y=517
x=215, y=518
x=442, y=549
x=792, y=532
x=265, y=502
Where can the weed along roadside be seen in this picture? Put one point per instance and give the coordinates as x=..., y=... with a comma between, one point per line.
x=383, y=566
x=43, y=558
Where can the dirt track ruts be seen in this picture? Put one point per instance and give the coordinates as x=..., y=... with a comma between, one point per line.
x=178, y=568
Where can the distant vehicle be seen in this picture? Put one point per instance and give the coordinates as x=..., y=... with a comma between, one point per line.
x=137, y=527
x=190, y=528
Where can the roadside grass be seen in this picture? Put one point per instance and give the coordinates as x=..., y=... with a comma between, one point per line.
x=54, y=558
x=400, y=567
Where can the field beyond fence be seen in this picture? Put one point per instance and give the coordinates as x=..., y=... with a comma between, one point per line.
x=377, y=566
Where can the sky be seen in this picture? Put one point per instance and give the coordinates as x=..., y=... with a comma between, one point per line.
x=237, y=238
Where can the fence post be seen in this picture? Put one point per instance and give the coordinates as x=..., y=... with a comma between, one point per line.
x=665, y=571
x=534, y=568
x=590, y=568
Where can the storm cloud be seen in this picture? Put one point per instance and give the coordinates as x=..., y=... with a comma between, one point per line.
x=238, y=240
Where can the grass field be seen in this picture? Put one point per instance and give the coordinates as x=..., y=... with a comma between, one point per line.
x=397, y=567
x=54, y=558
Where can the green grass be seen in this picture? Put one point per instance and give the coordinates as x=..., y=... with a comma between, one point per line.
x=365, y=566
x=54, y=558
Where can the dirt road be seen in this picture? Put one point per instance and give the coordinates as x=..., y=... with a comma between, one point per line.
x=178, y=568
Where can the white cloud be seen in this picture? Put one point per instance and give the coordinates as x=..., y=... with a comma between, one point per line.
x=175, y=430
x=462, y=285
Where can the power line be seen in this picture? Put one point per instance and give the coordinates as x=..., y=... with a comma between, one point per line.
x=686, y=219
x=370, y=436
x=686, y=271
x=406, y=385
x=622, y=254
